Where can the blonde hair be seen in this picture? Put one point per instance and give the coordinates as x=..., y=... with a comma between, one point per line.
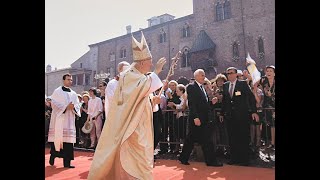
x=173, y=81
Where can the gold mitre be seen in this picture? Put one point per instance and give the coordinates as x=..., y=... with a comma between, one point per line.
x=141, y=50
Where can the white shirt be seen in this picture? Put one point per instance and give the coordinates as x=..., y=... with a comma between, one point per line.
x=234, y=85
x=202, y=89
x=180, y=106
x=94, y=106
x=109, y=93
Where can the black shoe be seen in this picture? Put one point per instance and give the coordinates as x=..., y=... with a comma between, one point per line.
x=216, y=164
x=69, y=166
x=183, y=161
x=66, y=163
x=51, y=160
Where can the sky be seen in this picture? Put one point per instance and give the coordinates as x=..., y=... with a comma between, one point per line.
x=72, y=25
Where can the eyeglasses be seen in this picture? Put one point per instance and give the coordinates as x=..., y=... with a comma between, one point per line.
x=100, y=86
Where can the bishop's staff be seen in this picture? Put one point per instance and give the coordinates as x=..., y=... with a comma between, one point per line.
x=171, y=70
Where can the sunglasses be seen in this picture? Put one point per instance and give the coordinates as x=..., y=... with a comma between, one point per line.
x=230, y=73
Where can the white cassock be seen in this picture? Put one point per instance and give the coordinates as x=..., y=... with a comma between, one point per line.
x=62, y=125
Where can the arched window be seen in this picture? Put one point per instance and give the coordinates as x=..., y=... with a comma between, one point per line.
x=162, y=36
x=219, y=12
x=112, y=56
x=123, y=52
x=260, y=49
x=227, y=10
x=186, y=30
x=185, y=58
x=235, y=51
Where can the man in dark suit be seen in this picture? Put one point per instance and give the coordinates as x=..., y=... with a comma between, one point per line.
x=238, y=105
x=199, y=104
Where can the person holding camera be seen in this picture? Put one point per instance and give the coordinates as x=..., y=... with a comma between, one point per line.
x=268, y=84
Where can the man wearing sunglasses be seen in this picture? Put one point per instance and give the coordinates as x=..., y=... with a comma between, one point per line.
x=237, y=104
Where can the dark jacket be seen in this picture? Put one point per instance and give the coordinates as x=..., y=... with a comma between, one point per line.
x=242, y=102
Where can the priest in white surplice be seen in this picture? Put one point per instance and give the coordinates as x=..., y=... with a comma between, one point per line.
x=125, y=148
x=111, y=87
x=62, y=131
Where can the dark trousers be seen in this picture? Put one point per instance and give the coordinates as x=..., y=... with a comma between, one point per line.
x=157, y=127
x=204, y=140
x=47, y=123
x=66, y=153
x=180, y=127
x=78, y=130
x=167, y=130
x=239, y=137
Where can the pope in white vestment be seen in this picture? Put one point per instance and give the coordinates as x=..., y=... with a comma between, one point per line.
x=125, y=149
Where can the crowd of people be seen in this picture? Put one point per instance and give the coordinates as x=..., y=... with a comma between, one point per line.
x=228, y=110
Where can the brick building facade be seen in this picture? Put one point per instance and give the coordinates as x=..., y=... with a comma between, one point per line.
x=217, y=35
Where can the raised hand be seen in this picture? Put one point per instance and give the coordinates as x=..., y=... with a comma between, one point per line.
x=160, y=65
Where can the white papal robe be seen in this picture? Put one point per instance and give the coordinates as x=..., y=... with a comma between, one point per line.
x=125, y=148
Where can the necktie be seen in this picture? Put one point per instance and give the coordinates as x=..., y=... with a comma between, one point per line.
x=231, y=90
x=201, y=87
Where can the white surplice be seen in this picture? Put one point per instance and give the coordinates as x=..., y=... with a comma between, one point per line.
x=62, y=125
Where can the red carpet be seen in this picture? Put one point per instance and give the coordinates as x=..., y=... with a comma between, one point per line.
x=164, y=170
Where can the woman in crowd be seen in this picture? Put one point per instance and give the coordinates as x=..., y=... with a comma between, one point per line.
x=95, y=110
x=180, y=123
